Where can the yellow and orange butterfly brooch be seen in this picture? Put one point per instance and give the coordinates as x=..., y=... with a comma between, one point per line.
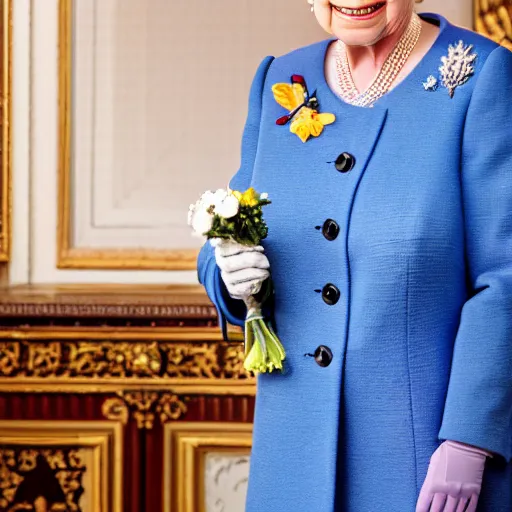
x=302, y=108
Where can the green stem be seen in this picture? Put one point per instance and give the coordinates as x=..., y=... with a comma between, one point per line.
x=249, y=338
x=260, y=336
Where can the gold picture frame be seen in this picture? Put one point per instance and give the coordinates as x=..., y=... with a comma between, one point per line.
x=69, y=256
x=5, y=121
x=493, y=18
x=185, y=446
x=102, y=438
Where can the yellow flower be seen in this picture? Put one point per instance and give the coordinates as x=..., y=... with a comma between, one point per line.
x=309, y=123
x=301, y=129
x=249, y=198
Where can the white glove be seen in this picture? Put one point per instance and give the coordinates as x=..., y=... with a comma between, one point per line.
x=243, y=268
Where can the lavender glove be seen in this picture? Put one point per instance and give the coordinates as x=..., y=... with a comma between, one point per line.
x=454, y=479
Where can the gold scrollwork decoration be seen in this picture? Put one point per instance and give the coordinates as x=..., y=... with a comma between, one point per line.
x=33, y=479
x=43, y=359
x=10, y=363
x=145, y=406
x=55, y=466
x=110, y=359
x=114, y=359
x=204, y=360
x=493, y=18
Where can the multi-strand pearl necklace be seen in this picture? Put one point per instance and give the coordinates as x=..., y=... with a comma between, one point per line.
x=386, y=76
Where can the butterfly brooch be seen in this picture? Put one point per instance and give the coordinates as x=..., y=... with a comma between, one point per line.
x=302, y=108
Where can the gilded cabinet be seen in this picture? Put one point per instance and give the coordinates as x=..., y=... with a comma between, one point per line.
x=120, y=400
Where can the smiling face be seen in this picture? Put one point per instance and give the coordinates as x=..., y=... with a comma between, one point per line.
x=363, y=22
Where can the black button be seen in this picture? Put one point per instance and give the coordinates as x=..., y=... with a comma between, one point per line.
x=330, y=230
x=345, y=162
x=323, y=356
x=330, y=294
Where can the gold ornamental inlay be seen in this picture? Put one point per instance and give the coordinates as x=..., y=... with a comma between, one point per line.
x=109, y=359
x=34, y=479
x=146, y=407
x=10, y=362
x=54, y=466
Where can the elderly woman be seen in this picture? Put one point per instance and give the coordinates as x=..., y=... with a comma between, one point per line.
x=390, y=251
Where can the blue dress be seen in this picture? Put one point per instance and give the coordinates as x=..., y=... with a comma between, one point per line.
x=396, y=270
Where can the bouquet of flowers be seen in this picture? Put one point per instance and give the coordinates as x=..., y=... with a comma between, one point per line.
x=238, y=217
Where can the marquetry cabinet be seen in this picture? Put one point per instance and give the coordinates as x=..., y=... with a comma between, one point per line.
x=120, y=400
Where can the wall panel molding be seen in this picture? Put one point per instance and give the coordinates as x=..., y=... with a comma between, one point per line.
x=70, y=256
x=140, y=131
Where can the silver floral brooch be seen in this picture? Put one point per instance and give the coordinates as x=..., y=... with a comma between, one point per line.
x=457, y=68
x=430, y=84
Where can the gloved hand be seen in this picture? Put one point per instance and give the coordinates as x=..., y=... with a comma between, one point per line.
x=243, y=268
x=454, y=479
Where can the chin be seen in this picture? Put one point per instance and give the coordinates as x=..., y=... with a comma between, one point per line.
x=359, y=36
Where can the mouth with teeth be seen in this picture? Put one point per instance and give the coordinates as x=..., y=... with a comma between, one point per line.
x=362, y=13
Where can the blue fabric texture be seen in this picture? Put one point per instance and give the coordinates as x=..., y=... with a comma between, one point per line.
x=422, y=334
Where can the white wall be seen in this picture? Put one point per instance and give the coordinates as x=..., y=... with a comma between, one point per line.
x=19, y=266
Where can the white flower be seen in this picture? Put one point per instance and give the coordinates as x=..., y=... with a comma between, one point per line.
x=228, y=207
x=201, y=221
x=264, y=195
x=207, y=199
x=200, y=216
x=213, y=199
x=219, y=196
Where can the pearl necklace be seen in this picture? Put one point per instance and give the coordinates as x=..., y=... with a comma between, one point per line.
x=392, y=66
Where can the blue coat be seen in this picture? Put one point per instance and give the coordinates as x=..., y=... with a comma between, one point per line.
x=421, y=333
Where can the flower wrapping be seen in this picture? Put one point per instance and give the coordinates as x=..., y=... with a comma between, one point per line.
x=238, y=217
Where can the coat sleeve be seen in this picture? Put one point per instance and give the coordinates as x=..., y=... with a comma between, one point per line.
x=228, y=309
x=478, y=407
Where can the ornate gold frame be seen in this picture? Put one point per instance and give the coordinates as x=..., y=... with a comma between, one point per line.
x=493, y=18
x=104, y=437
x=69, y=257
x=5, y=120
x=185, y=445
